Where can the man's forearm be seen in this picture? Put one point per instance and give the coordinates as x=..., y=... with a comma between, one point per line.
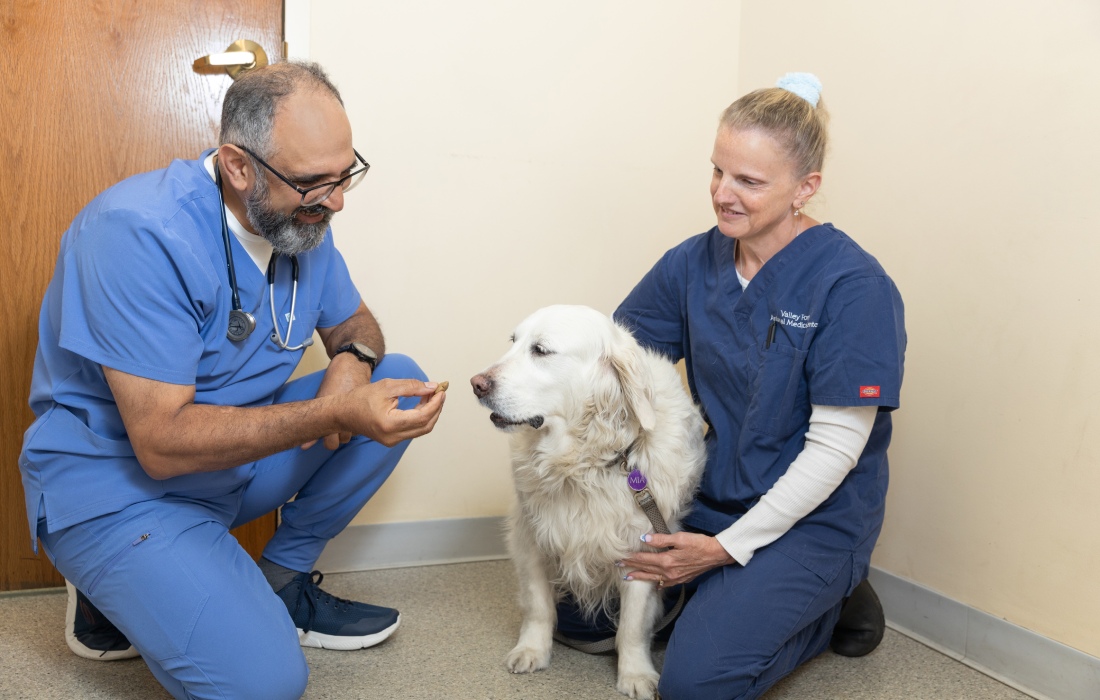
x=204, y=438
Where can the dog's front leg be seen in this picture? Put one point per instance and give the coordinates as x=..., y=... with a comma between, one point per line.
x=536, y=602
x=638, y=615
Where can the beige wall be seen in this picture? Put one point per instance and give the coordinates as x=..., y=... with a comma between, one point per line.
x=526, y=155
x=522, y=154
x=965, y=158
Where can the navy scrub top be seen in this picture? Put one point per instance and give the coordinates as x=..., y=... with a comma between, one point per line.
x=820, y=323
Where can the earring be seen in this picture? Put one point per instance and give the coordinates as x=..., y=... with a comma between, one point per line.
x=798, y=209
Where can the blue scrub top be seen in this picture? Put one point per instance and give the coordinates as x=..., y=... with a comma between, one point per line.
x=141, y=286
x=837, y=338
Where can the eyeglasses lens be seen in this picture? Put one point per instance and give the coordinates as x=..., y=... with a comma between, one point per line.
x=315, y=197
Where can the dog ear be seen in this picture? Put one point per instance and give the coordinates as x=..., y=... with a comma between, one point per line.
x=629, y=365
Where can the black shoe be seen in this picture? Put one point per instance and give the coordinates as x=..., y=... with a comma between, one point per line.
x=91, y=635
x=861, y=625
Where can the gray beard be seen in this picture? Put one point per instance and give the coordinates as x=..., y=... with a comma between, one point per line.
x=286, y=236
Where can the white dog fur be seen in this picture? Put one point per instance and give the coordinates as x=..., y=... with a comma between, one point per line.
x=576, y=391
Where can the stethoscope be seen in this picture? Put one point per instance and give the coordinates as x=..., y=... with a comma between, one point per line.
x=242, y=323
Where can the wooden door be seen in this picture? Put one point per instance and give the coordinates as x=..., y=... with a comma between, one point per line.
x=92, y=91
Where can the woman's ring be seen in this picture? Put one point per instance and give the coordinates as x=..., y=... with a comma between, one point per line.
x=660, y=582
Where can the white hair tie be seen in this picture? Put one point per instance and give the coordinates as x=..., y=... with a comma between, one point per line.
x=805, y=85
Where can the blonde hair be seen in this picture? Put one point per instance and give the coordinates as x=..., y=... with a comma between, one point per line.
x=800, y=127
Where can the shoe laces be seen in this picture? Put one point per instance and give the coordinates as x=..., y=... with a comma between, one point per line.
x=311, y=595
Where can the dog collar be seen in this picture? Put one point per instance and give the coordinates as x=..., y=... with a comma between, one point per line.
x=638, y=483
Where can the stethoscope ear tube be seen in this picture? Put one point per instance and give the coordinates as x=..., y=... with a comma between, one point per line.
x=277, y=337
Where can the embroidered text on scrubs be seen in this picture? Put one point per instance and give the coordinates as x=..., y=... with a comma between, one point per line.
x=794, y=320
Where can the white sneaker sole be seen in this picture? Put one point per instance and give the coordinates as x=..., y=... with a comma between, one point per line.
x=79, y=649
x=317, y=640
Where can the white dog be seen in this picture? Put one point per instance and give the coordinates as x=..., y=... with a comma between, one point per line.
x=582, y=399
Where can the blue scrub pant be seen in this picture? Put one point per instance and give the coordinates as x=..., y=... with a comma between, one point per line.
x=744, y=627
x=189, y=598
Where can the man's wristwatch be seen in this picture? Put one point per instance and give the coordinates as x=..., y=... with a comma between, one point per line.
x=361, y=351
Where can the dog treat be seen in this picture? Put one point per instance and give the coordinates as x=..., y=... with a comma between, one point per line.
x=442, y=387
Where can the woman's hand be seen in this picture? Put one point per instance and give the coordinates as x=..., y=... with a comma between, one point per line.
x=688, y=555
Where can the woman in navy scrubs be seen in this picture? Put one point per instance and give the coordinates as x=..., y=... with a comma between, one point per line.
x=793, y=339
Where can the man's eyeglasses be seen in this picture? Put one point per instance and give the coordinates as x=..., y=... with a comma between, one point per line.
x=314, y=195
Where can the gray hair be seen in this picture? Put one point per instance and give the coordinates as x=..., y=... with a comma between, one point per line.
x=248, y=112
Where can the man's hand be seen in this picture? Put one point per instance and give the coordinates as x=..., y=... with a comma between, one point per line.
x=688, y=556
x=372, y=410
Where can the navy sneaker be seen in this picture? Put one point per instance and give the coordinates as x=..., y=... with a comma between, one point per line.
x=91, y=635
x=327, y=622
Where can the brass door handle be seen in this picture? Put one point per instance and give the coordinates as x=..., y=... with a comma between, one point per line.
x=242, y=55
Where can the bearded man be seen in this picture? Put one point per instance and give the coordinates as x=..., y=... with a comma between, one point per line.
x=181, y=303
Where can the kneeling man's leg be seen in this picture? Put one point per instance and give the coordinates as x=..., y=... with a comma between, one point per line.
x=170, y=576
x=328, y=488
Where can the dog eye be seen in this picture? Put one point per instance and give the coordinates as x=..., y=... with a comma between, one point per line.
x=540, y=350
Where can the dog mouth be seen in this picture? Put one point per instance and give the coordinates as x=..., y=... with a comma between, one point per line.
x=502, y=422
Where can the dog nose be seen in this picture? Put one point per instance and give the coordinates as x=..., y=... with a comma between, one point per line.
x=482, y=385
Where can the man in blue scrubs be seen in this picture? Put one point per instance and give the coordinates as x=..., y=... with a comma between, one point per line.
x=162, y=422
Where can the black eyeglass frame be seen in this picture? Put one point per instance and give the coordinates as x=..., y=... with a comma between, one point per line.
x=304, y=191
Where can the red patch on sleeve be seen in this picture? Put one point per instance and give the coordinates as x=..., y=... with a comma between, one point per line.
x=869, y=392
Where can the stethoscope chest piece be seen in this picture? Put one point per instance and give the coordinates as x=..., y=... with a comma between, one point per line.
x=241, y=325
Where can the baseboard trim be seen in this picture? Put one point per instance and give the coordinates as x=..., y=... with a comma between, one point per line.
x=1018, y=657
x=417, y=543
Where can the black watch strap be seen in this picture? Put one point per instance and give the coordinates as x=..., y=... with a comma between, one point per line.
x=361, y=351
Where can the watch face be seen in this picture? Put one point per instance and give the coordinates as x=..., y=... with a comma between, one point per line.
x=364, y=352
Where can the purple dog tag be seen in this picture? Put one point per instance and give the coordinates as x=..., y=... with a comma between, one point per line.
x=636, y=480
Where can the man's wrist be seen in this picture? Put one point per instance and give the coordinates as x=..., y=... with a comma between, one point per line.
x=361, y=351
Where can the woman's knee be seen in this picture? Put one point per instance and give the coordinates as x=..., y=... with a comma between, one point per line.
x=693, y=676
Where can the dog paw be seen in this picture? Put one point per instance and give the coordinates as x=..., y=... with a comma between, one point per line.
x=641, y=686
x=525, y=659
